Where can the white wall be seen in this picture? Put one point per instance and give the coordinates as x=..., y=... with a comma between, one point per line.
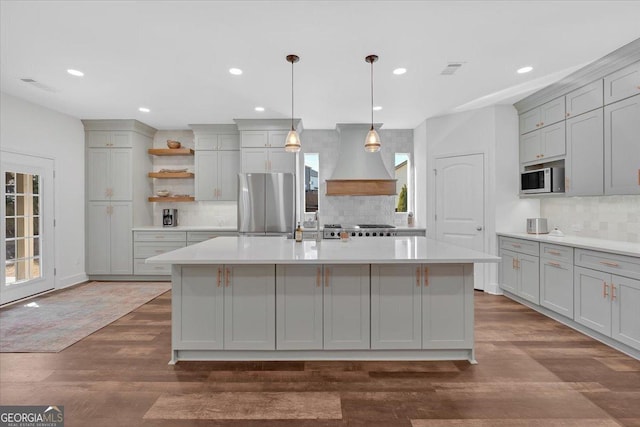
x=420, y=168
x=30, y=129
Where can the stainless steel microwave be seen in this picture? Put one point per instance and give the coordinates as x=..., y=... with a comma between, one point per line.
x=545, y=180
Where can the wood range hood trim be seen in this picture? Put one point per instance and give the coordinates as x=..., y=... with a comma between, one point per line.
x=361, y=187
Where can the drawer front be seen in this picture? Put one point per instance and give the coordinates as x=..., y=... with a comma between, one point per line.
x=139, y=267
x=146, y=250
x=201, y=236
x=556, y=252
x=611, y=263
x=159, y=236
x=519, y=245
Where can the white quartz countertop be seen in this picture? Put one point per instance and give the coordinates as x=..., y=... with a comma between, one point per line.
x=184, y=228
x=613, y=246
x=279, y=250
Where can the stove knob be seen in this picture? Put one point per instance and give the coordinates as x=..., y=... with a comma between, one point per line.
x=375, y=234
x=353, y=233
x=333, y=234
x=388, y=234
x=360, y=234
x=381, y=234
x=366, y=234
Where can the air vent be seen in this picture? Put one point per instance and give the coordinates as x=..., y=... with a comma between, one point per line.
x=451, y=68
x=39, y=85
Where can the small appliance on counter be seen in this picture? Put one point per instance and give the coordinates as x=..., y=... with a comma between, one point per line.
x=169, y=217
x=537, y=226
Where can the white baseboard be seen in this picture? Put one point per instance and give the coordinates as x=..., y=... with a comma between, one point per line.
x=65, y=282
x=493, y=289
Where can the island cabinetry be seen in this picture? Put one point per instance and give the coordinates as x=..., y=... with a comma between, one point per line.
x=299, y=292
x=556, y=278
x=519, y=270
x=346, y=307
x=249, y=307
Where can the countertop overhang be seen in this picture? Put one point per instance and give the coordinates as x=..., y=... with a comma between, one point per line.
x=592, y=243
x=279, y=250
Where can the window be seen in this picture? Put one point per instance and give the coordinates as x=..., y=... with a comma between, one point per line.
x=402, y=174
x=311, y=181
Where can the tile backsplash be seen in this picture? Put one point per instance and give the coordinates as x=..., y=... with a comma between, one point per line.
x=607, y=217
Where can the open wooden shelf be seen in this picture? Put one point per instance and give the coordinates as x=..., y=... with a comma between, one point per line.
x=166, y=175
x=171, y=151
x=172, y=199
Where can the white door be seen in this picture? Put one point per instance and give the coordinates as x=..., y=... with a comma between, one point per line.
x=27, y=226
x=460, y=204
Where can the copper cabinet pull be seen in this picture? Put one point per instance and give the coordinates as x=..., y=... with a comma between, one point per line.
x=613, y=292
x=555, y=252
x=541, y=123
x=567, y=183
x=426, y=277
x=517, y=264
x=610, y=264
x=219, y=276
x=515, y=245
x=318, y=278
x=228, y=282
x=605, y=290
x=418, y=277
x=326, y=277
x=553, y=264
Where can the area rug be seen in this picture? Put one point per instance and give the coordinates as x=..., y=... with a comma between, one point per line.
x=53, y=322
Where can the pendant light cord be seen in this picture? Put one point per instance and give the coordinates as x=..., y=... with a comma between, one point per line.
x=292, y=95
x=371, y=95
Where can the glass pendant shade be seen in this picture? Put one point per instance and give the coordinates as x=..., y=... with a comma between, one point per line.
x=292, y=143
x=372, y=142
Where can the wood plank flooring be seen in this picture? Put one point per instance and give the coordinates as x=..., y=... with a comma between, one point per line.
x=532, y=371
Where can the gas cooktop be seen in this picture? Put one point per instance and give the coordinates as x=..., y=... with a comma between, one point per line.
x=332, y=231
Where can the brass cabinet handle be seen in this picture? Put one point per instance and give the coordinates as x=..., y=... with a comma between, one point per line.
x=567, y=182
x=219, y=276
x=568, y=114
x=515, y=245
x=613, y=292
x=426, y=277
x=418, y=277
x=326, y=277
x=228, y=277
x=605, y=290
x=555, y=252
x=541, y=123
x=610, y=264
x=318, y=278
x=541, y=155
x=553, y=264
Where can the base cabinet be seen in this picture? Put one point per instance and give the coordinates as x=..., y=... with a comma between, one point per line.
x=625, y=311
x=556, y=286
x=519, y=274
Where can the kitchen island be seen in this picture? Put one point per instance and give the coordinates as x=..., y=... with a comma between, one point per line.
x=271, y=298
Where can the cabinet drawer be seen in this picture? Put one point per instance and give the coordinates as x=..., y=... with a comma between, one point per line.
x=159, y=236
x=139, y=267
x=148, y=249
x=585, y=99
x=201, y=236
x=611, y=263
x=622, y=84
x=521, y=246
x=556, y=252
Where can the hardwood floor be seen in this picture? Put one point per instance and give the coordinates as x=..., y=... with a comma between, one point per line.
x=532, y=371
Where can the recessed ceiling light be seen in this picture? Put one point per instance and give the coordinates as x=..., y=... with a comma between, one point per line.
x=144, y=109
x=75, y=72
x=235, y=71
x=377, y=108
x=260, y=109
x=399, y=71
x=525, y=69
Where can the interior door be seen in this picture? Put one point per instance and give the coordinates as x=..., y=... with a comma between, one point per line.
x=460, y=204
x=27, y=226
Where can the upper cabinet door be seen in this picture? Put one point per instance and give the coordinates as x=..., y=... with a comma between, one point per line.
x=120, y=174
x=228, y=142
x=254, y=160
x=622, y=147
x=281, y=161
x=622, y=84
x=228, y=168
x=99, y=139
x=121, y=139
x=206, y=176
x=530, y=121
x=207, y=142
x=585, y=99
x=552, y=141
x=254, y=138
x=277, y=138
x=98, y=174
x=552, y=112
x=584, y=173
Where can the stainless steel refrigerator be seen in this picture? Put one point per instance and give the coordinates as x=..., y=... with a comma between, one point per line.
x=266, y=204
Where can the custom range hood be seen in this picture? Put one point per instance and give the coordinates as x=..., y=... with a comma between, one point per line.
x=358, y=172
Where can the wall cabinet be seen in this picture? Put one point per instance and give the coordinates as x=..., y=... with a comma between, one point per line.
x=299, y=294
x=584, y=167
x=545, y=115
x=543, y=144
x=556, y=278
x=346, y=307
x=585, y=99
x=271, y=160
x=622, y=84
x=109, y=238
x=249, y=307
x=109, y=139
x=622, y=146
x=520, y=268
x=217, y=141
x=263, y=138
x=217, y=175
x=109, y=174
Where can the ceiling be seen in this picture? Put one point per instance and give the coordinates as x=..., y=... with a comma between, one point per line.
x=174, y=57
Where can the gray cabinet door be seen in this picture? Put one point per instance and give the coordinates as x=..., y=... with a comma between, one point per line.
x=197, y=308
x=254, y=160
x=552, y=112
x=585, y=99
x=556, y=286
x=281, y=161
x=529, y=277
x=120, y=238
x=622, y=84
x=98, y=173
x=625, y=311
x=552, y=141
x=584, y=163
x=120, y=175
x=530, y=147
x=396, y=306
x=249, y=307
x=447, y=306
x=206, y=175
x=299, y=307
x=622, y=147
x=228, y=168
x=98, y=238
x=508, y=272
x=592, y=305
x=346, y=307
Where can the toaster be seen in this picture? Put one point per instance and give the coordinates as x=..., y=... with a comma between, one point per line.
x=537, y=226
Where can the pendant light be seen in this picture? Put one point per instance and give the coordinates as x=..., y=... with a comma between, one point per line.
x=292, y=143
x=372, y=142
